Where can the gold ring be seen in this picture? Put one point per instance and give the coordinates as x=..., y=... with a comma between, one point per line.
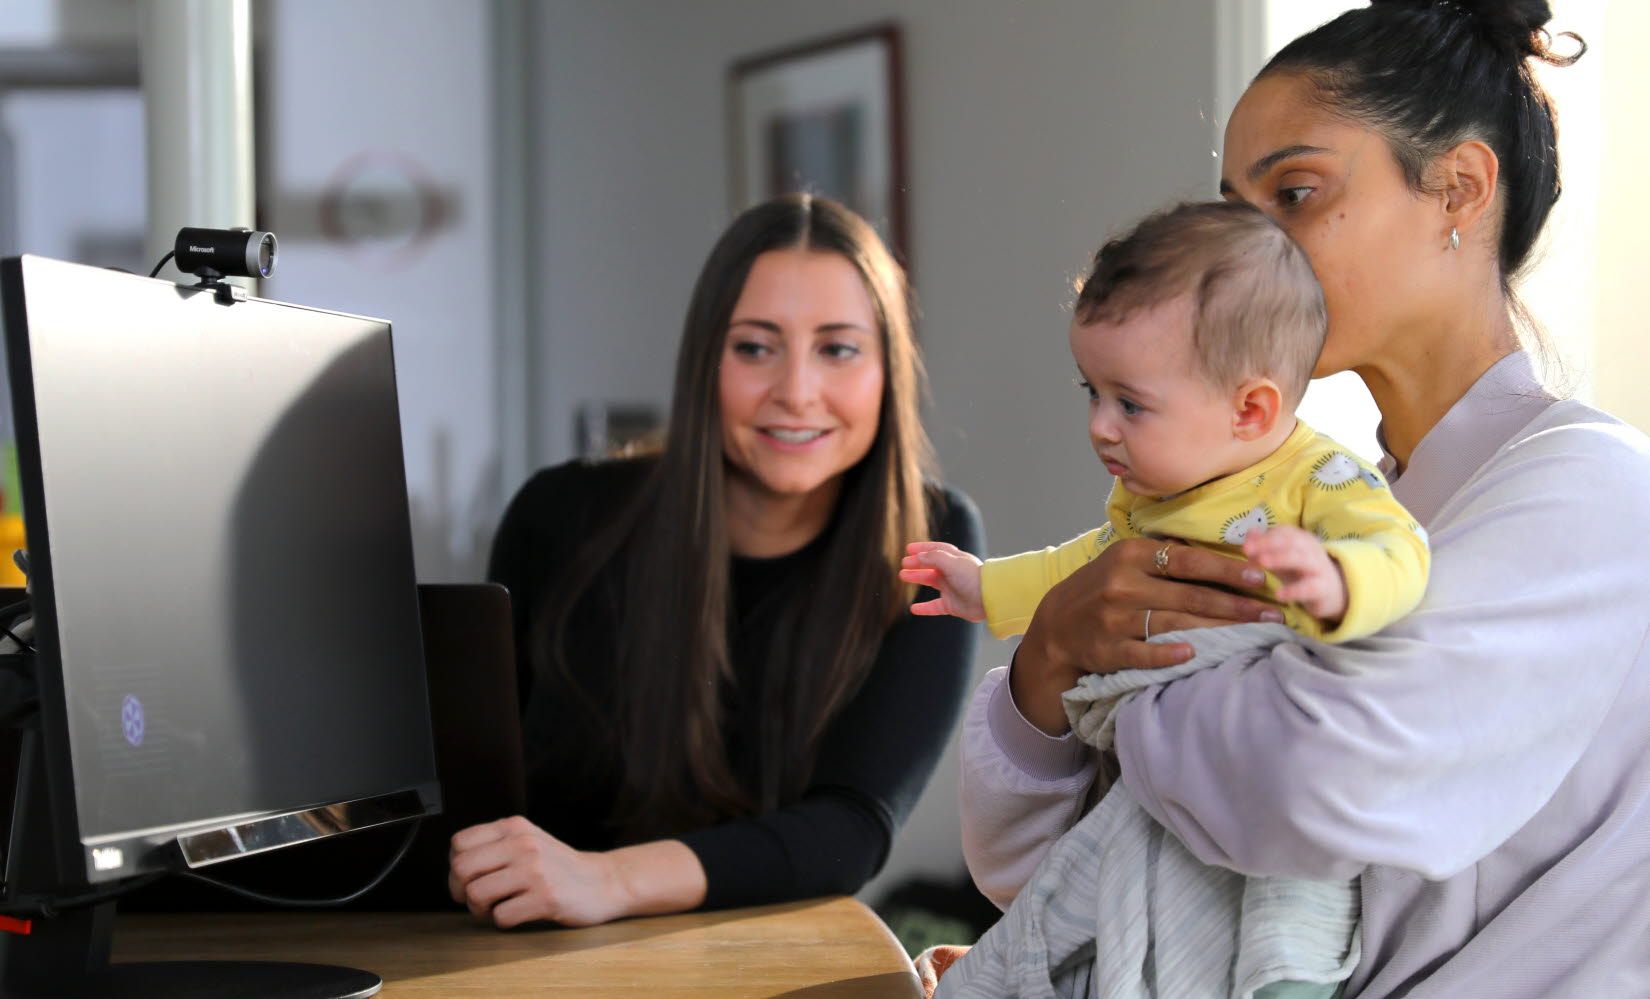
x=1162, y=559
x=1148, y=624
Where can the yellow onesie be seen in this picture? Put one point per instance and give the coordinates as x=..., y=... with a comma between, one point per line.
x=1310, y=481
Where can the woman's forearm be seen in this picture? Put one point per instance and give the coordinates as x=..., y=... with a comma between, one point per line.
x=1019, y=790
x=1036, y=683
x=658, y=878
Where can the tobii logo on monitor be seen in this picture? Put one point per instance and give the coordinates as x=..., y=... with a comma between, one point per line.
x=131, y=720
x=107, y=858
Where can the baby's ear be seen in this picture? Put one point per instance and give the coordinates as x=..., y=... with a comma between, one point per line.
x=1257, y=405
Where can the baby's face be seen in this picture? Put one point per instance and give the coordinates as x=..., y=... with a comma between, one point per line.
x=1155, y=422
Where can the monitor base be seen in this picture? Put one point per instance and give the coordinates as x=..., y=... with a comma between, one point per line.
x=67, y=955
x=192, y=979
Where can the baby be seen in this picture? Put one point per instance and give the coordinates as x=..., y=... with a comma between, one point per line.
x=1195, y=336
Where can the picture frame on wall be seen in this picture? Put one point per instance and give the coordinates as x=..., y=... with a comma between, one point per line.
x=826, y=117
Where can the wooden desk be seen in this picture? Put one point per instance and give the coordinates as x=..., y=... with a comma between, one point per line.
x=827, y=947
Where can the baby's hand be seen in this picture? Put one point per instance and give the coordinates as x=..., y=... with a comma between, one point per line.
x=949, y=569
x=1309, y=576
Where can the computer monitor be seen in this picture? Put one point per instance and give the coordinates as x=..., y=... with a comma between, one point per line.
x=226, y=610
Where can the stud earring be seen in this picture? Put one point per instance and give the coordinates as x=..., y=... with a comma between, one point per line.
x=1454, y=239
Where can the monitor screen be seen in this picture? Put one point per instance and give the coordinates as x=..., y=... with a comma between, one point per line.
x=217, y=518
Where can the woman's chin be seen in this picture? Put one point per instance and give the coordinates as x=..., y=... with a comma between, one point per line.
x=792, y=485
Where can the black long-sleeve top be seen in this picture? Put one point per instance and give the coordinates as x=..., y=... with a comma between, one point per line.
x=875, y=756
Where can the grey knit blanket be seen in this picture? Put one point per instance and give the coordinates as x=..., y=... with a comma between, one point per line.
x=1119, y=909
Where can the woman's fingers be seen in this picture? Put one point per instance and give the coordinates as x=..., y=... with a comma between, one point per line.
x=465, y=864
x=1204, y=602
x=470, y=864
x=1150, y=655
x=1198, y=566
x=523, y=908
x=1165, y=621
x=474, y=836
x=930, y=608
x=482, y=894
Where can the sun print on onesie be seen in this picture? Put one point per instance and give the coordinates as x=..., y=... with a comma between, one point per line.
x=1238, y=527
x=1335, y=470
x=1372, y=478
x=1101, y=540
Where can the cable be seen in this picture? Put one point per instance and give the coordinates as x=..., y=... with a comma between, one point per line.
x=6, y=614
x=47, y=907
x=316, y=903
x=169, y=255
x=13, y=636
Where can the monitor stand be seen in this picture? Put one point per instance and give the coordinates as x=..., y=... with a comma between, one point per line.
x=68, y=956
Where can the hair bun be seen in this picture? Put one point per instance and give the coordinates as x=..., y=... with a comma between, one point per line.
x=1521, y=16
x=1518, y=26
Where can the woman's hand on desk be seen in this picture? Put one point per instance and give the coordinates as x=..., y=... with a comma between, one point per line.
x=512, y=872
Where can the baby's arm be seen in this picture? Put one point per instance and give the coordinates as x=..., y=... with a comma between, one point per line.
x=1002, y=592
x=1306, y=573
x=1378, y=548
x=1012, y=587
x=948, y=569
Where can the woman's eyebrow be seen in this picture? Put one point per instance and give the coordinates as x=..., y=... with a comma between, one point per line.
x=761, y=324
x=839, y=327
x=1272, y=159
x=1259, y=167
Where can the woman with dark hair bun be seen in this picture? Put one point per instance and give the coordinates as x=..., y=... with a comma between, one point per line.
x=725, y=699
x=1482, y=765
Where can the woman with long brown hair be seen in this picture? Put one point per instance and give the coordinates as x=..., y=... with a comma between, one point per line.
x=719, y=671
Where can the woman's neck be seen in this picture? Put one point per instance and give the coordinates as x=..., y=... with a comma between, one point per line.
x=1418, y=381
x=765, y=524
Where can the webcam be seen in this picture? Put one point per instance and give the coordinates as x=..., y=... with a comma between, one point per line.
x=225, y=252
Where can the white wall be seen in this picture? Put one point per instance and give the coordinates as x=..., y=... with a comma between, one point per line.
x=1621, y=348
x=1035, y=129
x=376, y=103
x=28, y=24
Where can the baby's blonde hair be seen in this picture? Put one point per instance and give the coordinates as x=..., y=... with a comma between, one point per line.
x=1257, y=308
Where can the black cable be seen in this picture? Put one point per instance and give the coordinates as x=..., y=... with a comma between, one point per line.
x=316, y=903
x=46, y=907
x=13, y=636
x=169, y=255
x=6, y=614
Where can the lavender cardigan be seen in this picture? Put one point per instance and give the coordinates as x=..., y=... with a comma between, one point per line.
x=1484, y=763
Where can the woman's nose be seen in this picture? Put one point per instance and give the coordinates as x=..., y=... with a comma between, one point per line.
x=798, y=383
